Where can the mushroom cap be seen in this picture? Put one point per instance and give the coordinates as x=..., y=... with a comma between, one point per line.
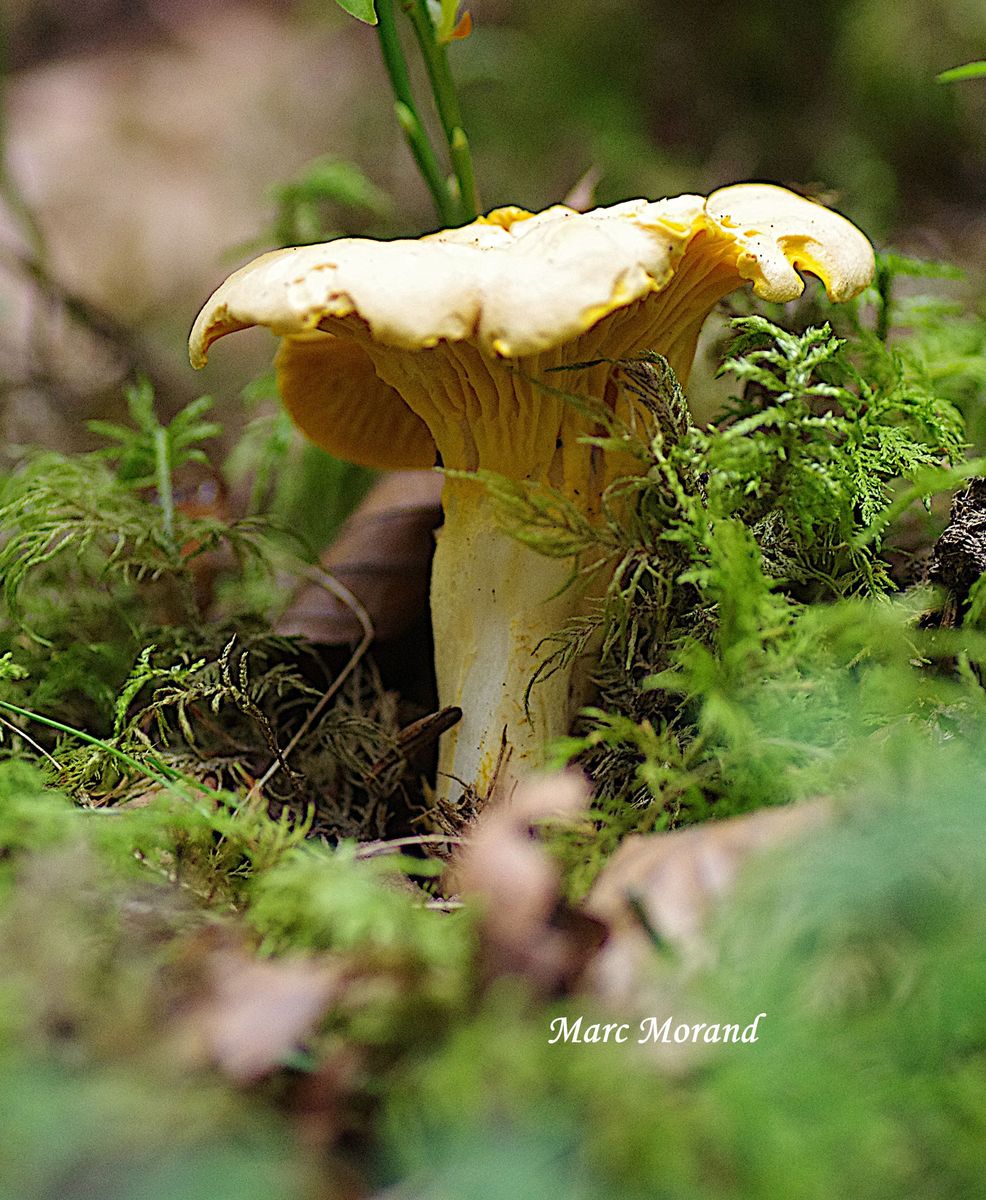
x=777, y=230
x=394, y=350
x=516, y=284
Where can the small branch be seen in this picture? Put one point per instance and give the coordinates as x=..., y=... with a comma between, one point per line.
x=96, y=320
x=22, y=212
x=375, y=849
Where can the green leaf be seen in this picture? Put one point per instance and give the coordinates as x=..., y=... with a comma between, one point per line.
x=973, y=70
x=363, y=10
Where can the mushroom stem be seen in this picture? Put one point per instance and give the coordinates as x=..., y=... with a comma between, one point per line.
x=494, y=602
x=395, y=352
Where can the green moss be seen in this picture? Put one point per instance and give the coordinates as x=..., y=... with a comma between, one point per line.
x=758, y=626
x=860, y=945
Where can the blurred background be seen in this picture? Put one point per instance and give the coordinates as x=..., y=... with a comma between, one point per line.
x=150, y=146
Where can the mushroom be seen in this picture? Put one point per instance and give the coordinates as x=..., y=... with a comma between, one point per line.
x=406, y=353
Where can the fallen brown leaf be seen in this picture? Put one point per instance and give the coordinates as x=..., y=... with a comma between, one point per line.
x=663, y=886
x=253, y=1012
x=525, y=929
x=383, y=556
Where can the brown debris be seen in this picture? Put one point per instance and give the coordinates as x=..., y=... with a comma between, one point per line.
x=383, y=556
x=663, y=887
x=526, y=929
x=959, y=556
x=253, y=1012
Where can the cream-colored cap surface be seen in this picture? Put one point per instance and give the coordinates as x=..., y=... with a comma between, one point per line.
x=515, y=284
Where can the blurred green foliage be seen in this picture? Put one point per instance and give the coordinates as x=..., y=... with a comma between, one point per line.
x=840, y=96
x=107, y=923
x=327, y=198
x=862, y=947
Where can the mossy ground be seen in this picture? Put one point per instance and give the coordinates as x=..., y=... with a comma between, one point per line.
x=766, y=638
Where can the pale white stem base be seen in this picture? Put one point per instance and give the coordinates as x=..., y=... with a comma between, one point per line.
x=494, y=601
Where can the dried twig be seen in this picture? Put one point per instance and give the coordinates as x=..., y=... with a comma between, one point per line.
x=26, y=737
x=375, y=849
x=91, y=317
x=343, y=594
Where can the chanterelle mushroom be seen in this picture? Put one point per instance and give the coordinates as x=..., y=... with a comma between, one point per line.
x=394, y=353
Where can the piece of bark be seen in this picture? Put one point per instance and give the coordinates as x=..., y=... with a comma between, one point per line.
x=959, y=556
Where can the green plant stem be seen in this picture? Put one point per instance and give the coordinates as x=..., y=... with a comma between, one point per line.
x=161, y=773
x=165, y=492
x=461, y=155
x=447, y=102
x=884, y=284
x=408, y=117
